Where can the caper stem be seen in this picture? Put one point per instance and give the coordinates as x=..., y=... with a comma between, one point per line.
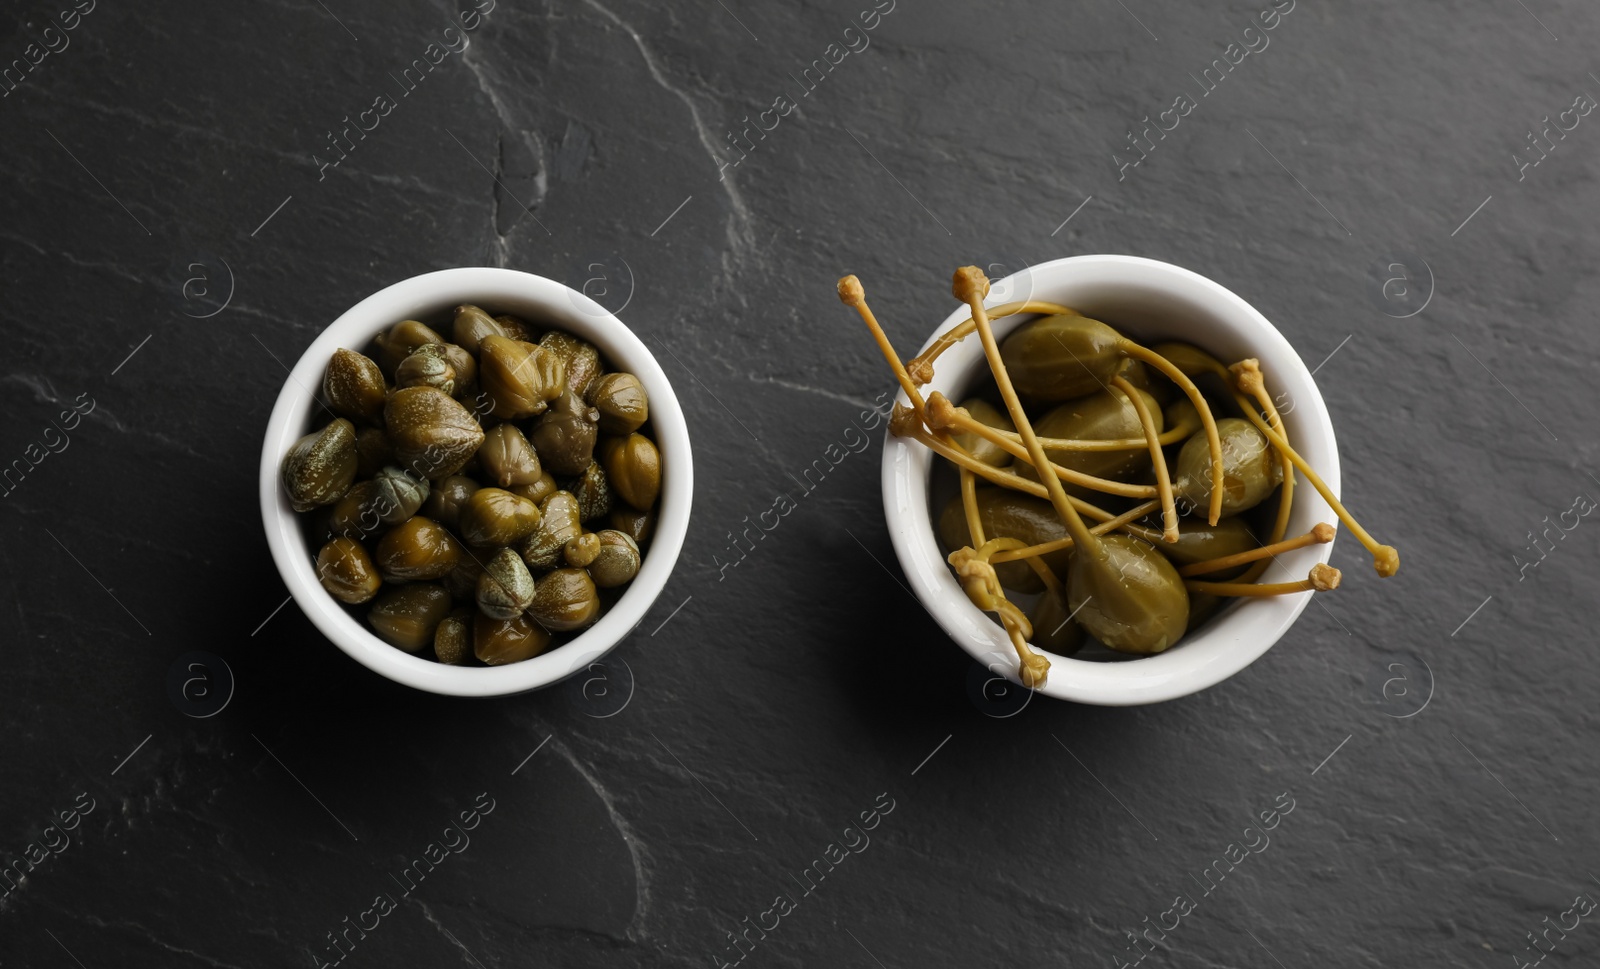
x=1323, y=578
x=1249, y=378
x=1385, y=558
x=1057, y=545
x=921, y=366
x=1172, y=435
x=1320, y=534
x=969, y=505
x=969, y=286
x=994, y=475
x=1033, y=668
x=945, y=415
x=1169, y=507
x=853, y=295
x=1213, y=440
x=1042, y=569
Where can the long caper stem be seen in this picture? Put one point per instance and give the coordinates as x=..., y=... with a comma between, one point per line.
x=1172, y=435
x=1111, y=524
x=1034, y=669
x=853, y=295
x=944, y=416
x=1040, y=568
x=921, y=366
x=1247, y=374
x=994, y=475
x=1323, y=578
x=969, y=285
x=969, y=506
x=1169, y=507
x=1320, y=534
x=982, y=586
x=1385, y=559
x=1213, y=440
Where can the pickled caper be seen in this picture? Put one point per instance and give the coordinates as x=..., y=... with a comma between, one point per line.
x=506, y=588
x=637, y=525
x=471, y=326
x=396, y=495
x=507, y=458
x=982, y=448
x=1103, y=416
x=621, y=401
x=321, y=466
x=581, y=551
x=406, y=616
x=520, y=378
x=617, y=561
x=345, y=569
x=1250, y=468
x=432, y=434
x=452, y=640
x=581, y=359
x=354, y=387
x=446, y=497
x=427, y=366
x=417, y=549
x=402, y=338
x=558, y=524
x=593, y=491
x=500, y=641
x=539, y=490
x=565, y=599
x=494, y=516
x=1129, y=597
x=373, y=451
x=633, y=466
x=565, y=435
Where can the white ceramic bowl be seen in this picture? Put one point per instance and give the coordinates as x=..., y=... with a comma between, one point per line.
x=544, y=303
x=1148, y=301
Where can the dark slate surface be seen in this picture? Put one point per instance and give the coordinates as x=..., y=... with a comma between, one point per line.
x=171, y=153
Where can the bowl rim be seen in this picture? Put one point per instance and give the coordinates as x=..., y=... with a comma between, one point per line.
x=1224, y=644
x=550, y=303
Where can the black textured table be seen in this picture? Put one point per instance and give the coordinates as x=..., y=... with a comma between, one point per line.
x=1407, y=190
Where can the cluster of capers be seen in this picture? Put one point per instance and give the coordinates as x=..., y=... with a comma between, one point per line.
x=481, y=492
x=1081, y=422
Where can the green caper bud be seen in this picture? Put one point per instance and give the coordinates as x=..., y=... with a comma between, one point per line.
x=565, y=435
x=494, y=516
x=1188, y=358
x=1061, y=357
x=452, y=641
x=462, y=581
x=471, y=326
x=1199, y=541
x=505, y=589
x=507, y=458
x=397, y=344
x=983, y=449
x=593, y=492
x=580, y=551
x=565, y=599
x=417, y=549
x=321, y=466
x=558, y=525
x=637, y=525
x=352, y=515
x=1129, y=596
x=633, y=466
x=432, y=434
x=618, y=560
x=539, y=490
x=446, y=497
x=396, y=495
x=466, y=367
x=373, y=451
x=405, y=617
x=621, y=401
x=1250, y=468
x=354, y=387
x=1008, y=514
x=581, y=358
x=501, y=641
x=427, y=366
x=520, y=378
x=1053, y=628
x=516, y=328
x=345, y=569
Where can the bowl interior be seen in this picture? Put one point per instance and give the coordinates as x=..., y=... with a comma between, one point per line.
x=1150, y=302
x=545, y=303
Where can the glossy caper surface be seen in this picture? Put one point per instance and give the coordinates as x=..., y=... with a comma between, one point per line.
x=1061, y=357
x=633, y=466
x=1008, y=514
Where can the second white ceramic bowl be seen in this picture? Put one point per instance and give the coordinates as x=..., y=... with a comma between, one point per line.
x=546, y=304
x=1148, y=301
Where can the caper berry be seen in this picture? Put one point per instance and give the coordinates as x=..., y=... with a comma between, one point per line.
x=432, y=433
x=396, y=495
x=494, y=516
x=1250, y=468
x=633, y=466
x=637, y=525
x=406, y=616
x=416, y=549
x=321, y=466
x=397, y=344
x=446, y=497
x=581, y=359
x=621, y=401
x=520, y=378
x=471, y=326
x=427, y=366
x=354, y=387
x=345, y=569
x=593, y=492
x=539, y=490
x=565, y=435
x=580, y=551
x=558, y=525
x=981, y=448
